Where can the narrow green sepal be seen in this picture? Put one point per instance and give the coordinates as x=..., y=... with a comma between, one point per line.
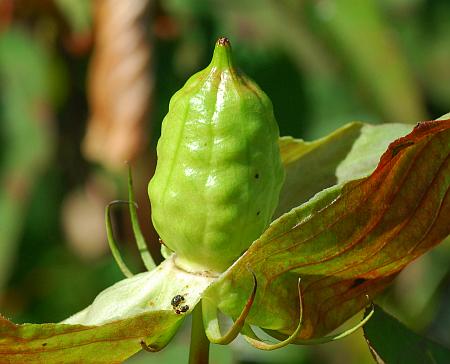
x=139, y=237
x=112, y=241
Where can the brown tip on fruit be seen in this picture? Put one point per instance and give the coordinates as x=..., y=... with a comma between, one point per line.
x=223, y=41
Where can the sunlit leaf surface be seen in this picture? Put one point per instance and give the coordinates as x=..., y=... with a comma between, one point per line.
x=348, y=241
x=392, y=342
x=112, y=327
x=62, y=343
x=350, y=152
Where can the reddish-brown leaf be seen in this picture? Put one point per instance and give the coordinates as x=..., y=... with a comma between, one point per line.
x=348, y=241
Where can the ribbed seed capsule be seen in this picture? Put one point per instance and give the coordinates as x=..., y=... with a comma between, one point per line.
x=219, y=171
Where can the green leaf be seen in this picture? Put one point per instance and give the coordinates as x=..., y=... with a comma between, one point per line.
x=109, y=343
x=392, y=342
x=148, y=291
x=348, y=241
x=112, y=327
x=350, y=152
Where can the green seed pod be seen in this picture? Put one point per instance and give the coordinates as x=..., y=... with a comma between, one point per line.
x=219, y=171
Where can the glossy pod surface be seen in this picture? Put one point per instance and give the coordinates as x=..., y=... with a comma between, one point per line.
x=219, y=171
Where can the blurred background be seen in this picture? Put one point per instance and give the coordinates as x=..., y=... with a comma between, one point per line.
x=84, y=86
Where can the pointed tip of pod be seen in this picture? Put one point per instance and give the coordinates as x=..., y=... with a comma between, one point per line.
x=222, y=54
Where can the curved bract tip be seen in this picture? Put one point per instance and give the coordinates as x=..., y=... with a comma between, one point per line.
x=148, y=348
x=338, y=336
x=326, y=339
x=211, y=321
x=257, y=343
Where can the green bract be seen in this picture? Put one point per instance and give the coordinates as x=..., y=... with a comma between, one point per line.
x=219, y=170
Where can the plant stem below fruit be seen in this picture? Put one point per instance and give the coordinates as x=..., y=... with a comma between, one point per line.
x=199, y=349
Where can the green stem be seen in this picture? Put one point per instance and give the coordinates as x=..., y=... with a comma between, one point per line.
x=199, y=350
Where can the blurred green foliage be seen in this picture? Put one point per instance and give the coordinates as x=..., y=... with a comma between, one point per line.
x=27, y=142
x=323, y=63
x=383, y=334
